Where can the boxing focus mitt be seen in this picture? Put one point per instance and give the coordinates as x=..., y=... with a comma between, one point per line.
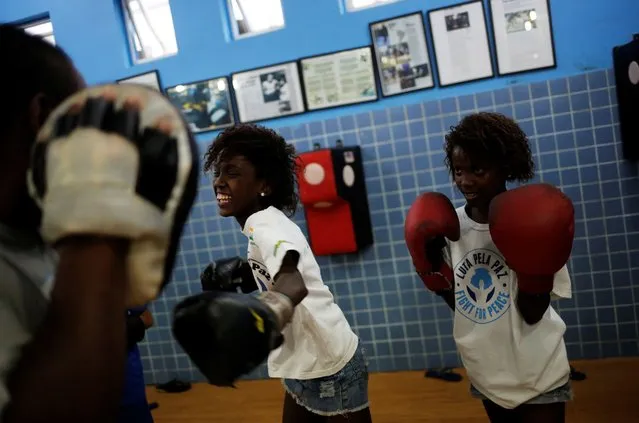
x=228, y=274
x=431, y=219
x=533, y=227
x=118, y=160
x=227, y=335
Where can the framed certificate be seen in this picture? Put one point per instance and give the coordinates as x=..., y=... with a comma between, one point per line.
x=150, y=79
x=461, y=43
x=206, y=105
x=401, y=54
x=522, y=30
x=268, y=93
x=339, y=79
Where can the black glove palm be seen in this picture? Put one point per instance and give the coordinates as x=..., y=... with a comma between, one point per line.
x=226, y=335
x=229, y=275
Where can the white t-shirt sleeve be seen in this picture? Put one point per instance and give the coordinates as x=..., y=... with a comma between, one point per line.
x=562, y=285
x=274, y=242
x=14, y=336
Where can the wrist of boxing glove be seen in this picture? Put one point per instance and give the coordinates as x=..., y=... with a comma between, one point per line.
x=280, y=304
x=73, y=210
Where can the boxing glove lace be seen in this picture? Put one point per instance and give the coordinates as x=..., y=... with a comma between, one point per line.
x=533, y=226
x=431, y=219
x=101, y=166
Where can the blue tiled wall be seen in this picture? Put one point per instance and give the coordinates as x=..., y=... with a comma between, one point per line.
x=572, y=123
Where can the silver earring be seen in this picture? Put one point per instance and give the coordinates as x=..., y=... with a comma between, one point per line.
x=262, y=194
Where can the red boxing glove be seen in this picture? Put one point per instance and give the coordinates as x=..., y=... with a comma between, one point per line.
x=431, y=218
x=533, y=227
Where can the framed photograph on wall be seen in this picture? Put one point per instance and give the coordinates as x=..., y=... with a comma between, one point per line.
x=401, y=54
x=267, y=93
x=206, y=105
x=151, y=79
x=460, y=37
x=339, y=79
x=522, y=30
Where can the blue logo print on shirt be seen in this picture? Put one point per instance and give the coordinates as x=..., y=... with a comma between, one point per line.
x=482, y=286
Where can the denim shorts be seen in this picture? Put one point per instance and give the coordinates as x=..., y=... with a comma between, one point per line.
x=344, y=392
x=561, y=394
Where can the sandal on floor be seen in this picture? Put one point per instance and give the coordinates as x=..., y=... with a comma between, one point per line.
x=174, y=386
x=447, y=374
x=576, y=375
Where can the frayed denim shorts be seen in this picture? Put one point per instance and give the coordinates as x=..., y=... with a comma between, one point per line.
x=561, y=394
x=342, y=393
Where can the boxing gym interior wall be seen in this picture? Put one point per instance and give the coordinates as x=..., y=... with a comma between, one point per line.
x=569, y=112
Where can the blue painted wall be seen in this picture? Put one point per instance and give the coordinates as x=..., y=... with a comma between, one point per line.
x=569, y=114
x=92, y=33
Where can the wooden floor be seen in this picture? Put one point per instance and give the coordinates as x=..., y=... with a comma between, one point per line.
x=610, y=394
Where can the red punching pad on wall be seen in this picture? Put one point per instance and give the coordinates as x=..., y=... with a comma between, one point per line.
x=333, y=192
x=626, y=65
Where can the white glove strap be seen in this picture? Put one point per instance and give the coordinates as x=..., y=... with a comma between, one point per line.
x=281, y=305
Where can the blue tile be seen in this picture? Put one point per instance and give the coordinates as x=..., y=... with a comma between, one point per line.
x=484, y=100
x=563, y=123
x=540, y=89
x=599, y=98
x=561, y=104
x=363, y=120
x=466, y=103
x=544, y=126
x=414, y=111
x=399, y=131
x=602, y=117
x=380, y=117
x=577, y=83
x=315, y=129
x=502, y=96
x=447, y=106
x=597, y=80
x=397, y=114
x=434, y=125
x=347, y=123
x=582, y=120
x=416, y=129
x=558, y=86
x=520, y=93
x=523, y=111
x=580, y=101
x=432, y=108
x=541, y=107
x=331, y=125
x=587, y=156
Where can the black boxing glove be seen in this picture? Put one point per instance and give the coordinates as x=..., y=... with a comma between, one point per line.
x=228, y=274
x=227, y=335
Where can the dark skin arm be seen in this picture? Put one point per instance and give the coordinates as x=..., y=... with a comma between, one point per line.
x=289, y=281
x=532, y=307
x=75, y=363
x=449, y=297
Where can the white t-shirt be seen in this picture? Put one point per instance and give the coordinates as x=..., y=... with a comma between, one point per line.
x=318, y=341
x=507, y=360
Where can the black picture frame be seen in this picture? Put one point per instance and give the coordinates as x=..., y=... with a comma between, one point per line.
x=551, y=35
x=139, y=79
x=380, y=69
x=265, y=70
x=489, y=52
x=203, y=110
x=374, y=75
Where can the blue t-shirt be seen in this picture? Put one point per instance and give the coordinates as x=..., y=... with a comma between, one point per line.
x=134, y=386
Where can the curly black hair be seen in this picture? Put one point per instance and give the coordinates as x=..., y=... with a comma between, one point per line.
x=496, y=139
x=274, y=160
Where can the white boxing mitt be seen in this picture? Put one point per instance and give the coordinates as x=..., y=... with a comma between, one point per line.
x=118, y=160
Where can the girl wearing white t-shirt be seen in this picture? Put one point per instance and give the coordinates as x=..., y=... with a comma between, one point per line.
x=321, y=361
x=510, y=343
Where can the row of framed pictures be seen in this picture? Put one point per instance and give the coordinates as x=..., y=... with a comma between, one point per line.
x=399, y=59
